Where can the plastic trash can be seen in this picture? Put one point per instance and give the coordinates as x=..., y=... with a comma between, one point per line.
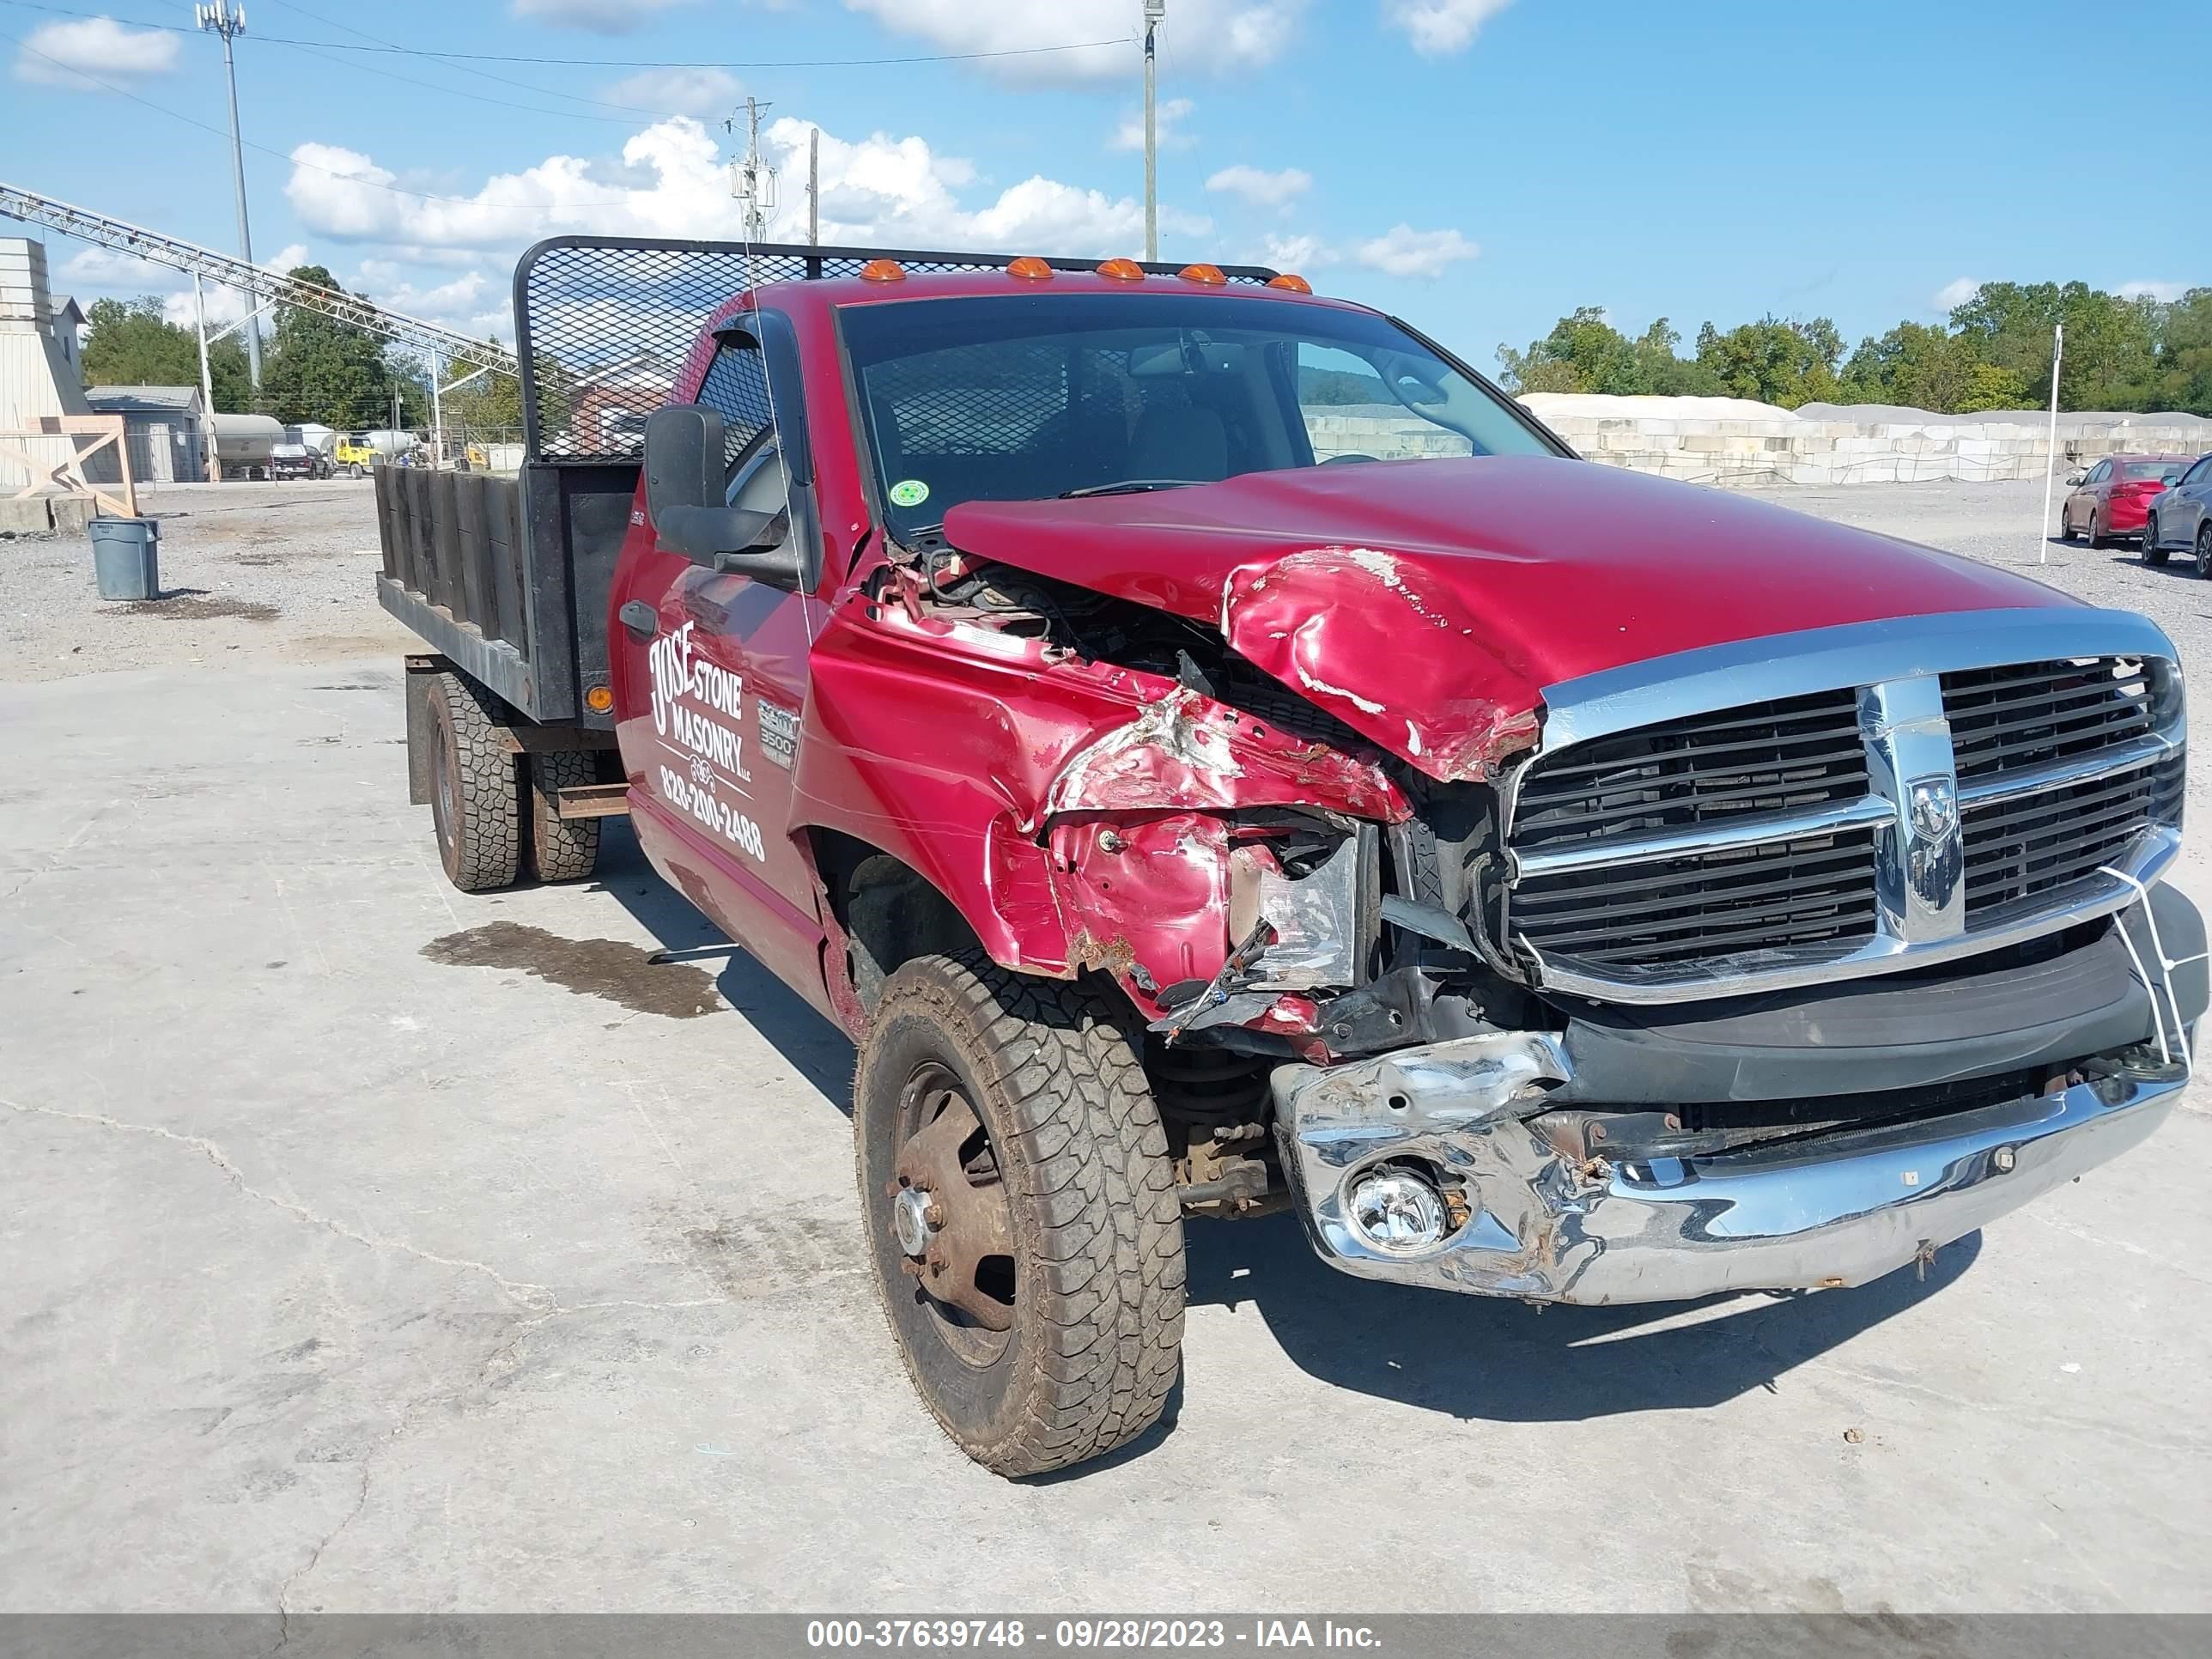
x=125, y=558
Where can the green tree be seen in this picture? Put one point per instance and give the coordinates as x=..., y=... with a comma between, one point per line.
x=321, y=369
x=2109, y=357
x=131, y=343
x=2182, y=368
x=1585, y=353
x=1774, y=361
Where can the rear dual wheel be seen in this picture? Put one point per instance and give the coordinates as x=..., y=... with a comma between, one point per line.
x=491, y=810
x=1021, y=1214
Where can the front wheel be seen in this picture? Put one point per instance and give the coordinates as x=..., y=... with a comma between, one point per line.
x=1022, y=1215
x=352, y=469
x=2152, y=552
x=2203, y=547
x=2096, y=533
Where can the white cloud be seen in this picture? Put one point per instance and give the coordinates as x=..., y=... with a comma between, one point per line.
x=2167, y=293
x=673, y=182
x=1952, y=295
x=1168, y=116
x=599, y=17
x=1440, y=27
x=1214, y=35
x=1261, y=187
x=66, y=54
x=701, y=92
x=1298, y=253
x=1401, y=250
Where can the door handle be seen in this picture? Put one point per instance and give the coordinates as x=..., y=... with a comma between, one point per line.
x=640, y=619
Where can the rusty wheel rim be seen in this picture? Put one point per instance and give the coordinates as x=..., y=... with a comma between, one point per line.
x=442, y=794
x=949, y=1198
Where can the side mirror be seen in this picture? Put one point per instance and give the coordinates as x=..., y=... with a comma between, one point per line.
x=2076, y=476
x=684, y=462
x=734, y=541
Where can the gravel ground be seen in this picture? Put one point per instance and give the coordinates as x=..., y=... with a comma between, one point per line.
x=266, y=573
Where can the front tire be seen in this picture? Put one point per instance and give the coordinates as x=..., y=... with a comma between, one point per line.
x=2152, y=552
x=1006, y=1124
x=2203, y=546
x=475, y=805
x=2096, y=535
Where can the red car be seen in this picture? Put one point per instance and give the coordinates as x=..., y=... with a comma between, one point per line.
x=2112, y=498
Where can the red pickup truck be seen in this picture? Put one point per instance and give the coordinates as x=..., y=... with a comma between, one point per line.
x=1215, y=753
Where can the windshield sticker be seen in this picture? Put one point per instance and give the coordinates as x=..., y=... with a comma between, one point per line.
x=909, y=492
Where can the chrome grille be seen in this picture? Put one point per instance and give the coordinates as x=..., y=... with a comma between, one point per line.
x=1685, y=773
x=2034, y=844
x=1813, y=891
x=1913, y=816
x=2033, y=713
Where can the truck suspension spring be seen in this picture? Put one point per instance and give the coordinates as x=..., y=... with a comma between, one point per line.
x=1203, y=1090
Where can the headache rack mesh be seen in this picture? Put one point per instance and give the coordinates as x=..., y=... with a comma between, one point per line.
x=602, y=323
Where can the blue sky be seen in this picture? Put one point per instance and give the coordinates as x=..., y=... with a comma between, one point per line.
x=1480, y=166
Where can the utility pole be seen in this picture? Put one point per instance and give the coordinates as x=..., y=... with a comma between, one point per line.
x=1154, y=11
x=223, y=18
x=2050, y=445
x=754, y=184
x=814, y=188
x=213, y=467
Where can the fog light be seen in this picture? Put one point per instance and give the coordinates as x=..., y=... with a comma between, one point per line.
x=1397, y=1211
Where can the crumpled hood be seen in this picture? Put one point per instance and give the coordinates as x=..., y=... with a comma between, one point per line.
x=1427, y=604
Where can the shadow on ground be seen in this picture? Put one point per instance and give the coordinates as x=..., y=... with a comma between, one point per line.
x=822, y=1053
x=1479, y=1357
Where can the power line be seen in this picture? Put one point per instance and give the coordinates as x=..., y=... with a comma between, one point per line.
x=486, y=74
x=623, y=63
x=191, y=121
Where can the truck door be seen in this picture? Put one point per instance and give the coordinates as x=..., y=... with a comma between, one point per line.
x=713, y=668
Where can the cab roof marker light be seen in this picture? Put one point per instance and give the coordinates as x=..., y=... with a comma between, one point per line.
x=1123, y=270
x=1210, y=274
x=1291, y=283
x=882, y=270
x=1028, y=267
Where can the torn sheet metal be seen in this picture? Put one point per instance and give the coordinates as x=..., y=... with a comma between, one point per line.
x=1345, y=626
x=1184, y=749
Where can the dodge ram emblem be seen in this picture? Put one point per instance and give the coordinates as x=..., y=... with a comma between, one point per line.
x=1934, y=804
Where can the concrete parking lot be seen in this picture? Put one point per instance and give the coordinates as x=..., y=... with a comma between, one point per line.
x=368, y=1246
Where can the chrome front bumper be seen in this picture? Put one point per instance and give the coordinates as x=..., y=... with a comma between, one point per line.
x=1836, y=1209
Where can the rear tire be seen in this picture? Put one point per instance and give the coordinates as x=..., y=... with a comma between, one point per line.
x=1067, y=1342
x=561, y=849
x=475, y=803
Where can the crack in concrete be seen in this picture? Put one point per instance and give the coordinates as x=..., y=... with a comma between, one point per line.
x=529, y=1294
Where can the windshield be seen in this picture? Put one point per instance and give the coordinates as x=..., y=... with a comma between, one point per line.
x=1030, y=397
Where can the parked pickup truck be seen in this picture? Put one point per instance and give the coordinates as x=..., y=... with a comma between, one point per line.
x=1215, y=752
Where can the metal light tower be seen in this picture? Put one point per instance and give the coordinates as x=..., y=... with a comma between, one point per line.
x=1154, y=11
x=223, y=18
